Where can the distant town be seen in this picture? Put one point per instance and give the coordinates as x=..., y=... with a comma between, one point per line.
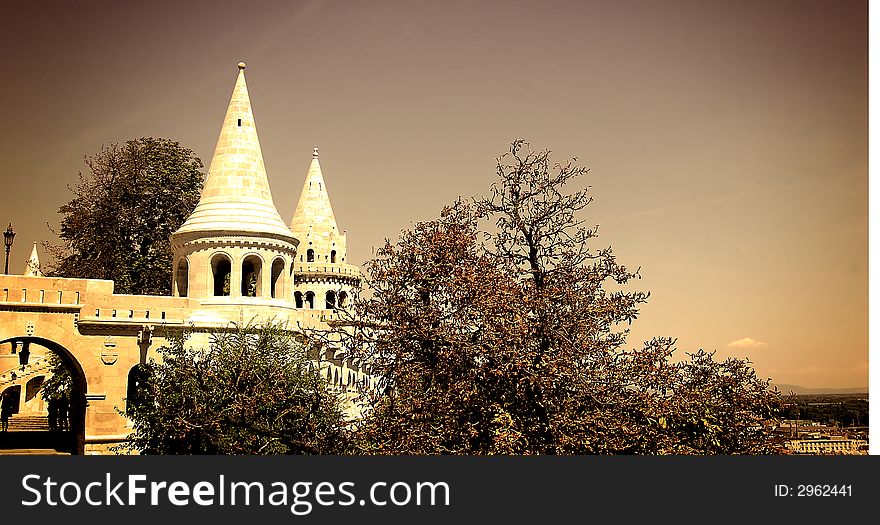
x=824, y=424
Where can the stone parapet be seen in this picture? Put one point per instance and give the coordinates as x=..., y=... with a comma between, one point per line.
x=305, y=272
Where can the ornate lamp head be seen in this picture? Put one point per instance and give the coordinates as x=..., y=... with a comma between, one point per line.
x=8, y=236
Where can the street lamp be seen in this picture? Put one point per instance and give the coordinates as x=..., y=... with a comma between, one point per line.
x=8, y=236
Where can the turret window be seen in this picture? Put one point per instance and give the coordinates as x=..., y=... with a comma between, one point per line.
x=333, y=256
x=310, y=299
x=277, y=272
x=330, y=300
x=310, y=255
x=251, y=271
x=298, y=298
x=221, y=269
x=182, y=278
x=341, y=299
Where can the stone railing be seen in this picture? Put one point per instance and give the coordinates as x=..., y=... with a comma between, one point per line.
x=18, y=373
x=346, y=270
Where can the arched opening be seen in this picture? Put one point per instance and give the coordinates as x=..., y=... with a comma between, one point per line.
x=221, y=269
x=310, y=299
x=298, y=299
x=33, y=401
x=330, y=300
x=251, y=272
x=137, y=391
x=277, y=272
x=182, y=277
x=310, y=255
x=60, y=421
x=333, y=256
x=341, y=299
x=10, y=401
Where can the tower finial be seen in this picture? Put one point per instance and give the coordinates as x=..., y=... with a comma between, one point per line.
x=315, y=153
x=242, y=65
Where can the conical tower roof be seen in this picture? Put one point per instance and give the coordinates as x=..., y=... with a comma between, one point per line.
x=314, y=210
x=33, y=264
x=236, y=196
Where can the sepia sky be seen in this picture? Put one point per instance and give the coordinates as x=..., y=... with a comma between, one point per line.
x=727, y=140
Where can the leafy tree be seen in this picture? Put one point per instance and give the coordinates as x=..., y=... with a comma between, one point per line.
x=495, y=330
x=123, y=212
x=254, y=390
x=59, y=382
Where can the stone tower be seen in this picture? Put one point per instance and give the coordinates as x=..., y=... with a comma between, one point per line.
x=323, y=279
x=234, y=253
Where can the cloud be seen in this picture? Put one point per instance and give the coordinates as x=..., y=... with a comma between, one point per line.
x=746, y=342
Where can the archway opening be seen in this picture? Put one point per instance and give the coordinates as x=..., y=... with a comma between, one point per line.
x=251, y=272
x=298, y=299
x=182, y=278
x=33, y=401
x=310, y=255
x=136, y=392
x=330, y=300
x=277, y=272
x=10, y=402
x=51, y=409
x=333, y=256
x=310, y=299
x=221, y=269
x=341, y=299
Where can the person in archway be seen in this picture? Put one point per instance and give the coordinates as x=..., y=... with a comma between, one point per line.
x=52, y=408
x=5, y=411
x=63, y=407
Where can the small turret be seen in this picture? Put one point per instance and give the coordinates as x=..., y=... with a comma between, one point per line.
x=314, y=223
x=33, y=264
x=323, y=278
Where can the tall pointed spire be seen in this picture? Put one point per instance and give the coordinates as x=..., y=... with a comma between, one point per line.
x=314, y=211
x=33, y=264
x=236, y=194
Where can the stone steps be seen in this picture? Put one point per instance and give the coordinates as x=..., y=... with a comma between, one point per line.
x=28, y=423
x=32, y=452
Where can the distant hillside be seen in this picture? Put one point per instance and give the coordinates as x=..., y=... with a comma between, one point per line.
x=785, y=389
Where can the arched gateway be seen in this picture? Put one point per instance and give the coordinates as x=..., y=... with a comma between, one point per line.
x=71, y=436
x=97, y=337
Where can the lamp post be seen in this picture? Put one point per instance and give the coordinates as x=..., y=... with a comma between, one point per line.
x=8, y=236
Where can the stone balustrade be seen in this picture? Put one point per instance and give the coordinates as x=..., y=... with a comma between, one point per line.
x=19, y=373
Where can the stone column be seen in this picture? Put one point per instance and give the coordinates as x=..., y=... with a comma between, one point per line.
x=266, y=279
x=235, y=277
x=22, y=395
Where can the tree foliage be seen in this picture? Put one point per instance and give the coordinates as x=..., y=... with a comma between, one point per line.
x=253, y=390
x=123, y=212
x=499, y=328
x=59, y=381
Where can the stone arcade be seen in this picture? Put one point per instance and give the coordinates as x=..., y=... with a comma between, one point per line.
x=235, y=261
